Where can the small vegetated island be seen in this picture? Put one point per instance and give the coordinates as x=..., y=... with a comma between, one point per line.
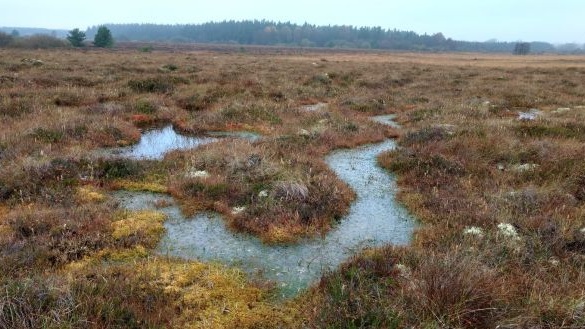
x=489, y=161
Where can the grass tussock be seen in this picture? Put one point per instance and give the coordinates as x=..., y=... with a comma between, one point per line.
x=257, y=192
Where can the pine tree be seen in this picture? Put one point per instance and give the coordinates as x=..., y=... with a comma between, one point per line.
x=522, y=48
x=103, y=38
x=76, y=38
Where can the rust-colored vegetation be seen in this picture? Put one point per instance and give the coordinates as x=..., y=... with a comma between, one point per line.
x=500, y=200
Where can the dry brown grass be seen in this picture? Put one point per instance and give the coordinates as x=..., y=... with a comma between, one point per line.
x=466, y=164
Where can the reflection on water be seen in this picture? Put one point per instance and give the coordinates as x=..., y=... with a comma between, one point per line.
x=155, y=143
x=374, y=219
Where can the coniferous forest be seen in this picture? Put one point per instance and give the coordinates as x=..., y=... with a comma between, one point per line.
x=264, y=32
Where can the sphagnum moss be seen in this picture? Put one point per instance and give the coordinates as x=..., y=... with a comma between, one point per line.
x=148, y=223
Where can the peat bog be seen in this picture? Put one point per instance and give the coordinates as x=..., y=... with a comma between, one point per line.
x=498, y=195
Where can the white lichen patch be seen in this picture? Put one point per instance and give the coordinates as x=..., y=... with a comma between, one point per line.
x=238, y=210
x=554, y=261
x=403, y=269
x=473, y=230
x=525, y=167
x=304, y=132
x=508, y=230
x=314, y=107
x=197, y=174
x=531, y=115
x=562, y=110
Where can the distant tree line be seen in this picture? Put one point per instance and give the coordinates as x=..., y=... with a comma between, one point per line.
x=263, y=32
x=75, y=38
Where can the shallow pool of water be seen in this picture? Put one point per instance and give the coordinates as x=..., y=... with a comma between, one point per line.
x=155, y=143
x=386, y=119
x=374, y=219
x=247, y=135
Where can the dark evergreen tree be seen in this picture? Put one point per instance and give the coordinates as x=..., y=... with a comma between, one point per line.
x=522, y=48
x=103, y=38
x=76, y=38
x=5, y=39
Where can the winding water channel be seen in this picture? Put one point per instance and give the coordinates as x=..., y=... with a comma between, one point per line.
x=374, y=219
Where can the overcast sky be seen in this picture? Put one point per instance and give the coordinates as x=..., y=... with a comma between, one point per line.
x=557, y=21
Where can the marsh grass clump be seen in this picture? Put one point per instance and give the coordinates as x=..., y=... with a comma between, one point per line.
x=50, y=237
x=69, y=99
x=253, y=113
x=16, y=106
x=169, y=67
x=290, y=191
x=373, y=106
x=161, y=84
x=145, y=106
x=36, y=303
x=380, y=288
x=197, y=102
x=358, y=295
x=430, y=134
x=293, y=204
x=579, y=187
x=456, y=293
x=569, y=130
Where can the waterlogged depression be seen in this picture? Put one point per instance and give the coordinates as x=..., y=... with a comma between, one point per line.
x=374, y=219
x=155, y=143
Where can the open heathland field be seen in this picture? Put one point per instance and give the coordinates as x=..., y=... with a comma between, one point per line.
x=489, y=162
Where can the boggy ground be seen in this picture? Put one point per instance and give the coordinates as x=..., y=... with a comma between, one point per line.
x=500, y=199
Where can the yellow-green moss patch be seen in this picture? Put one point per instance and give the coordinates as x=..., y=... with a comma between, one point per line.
x=214, y=296
x=89, y=194
x=124, y=184
x=146, y=225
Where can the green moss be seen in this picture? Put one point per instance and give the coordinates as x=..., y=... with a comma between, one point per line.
x=146, y=226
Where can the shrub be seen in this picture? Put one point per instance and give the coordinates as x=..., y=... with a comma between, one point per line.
x=16, y=106
x=365, y=105
x=358, y=294
x=36, y=303
x=458, y=293
x=425, y=135
x=103, y=38
x=145, y=106
x=146, y=49
x=197, y=102
x=170, y=67
x=76, y=38
x=40, y=41
x=152, y=85
x=5, y=39
x=47, y=135
x=68, y=99
x=118, y=168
